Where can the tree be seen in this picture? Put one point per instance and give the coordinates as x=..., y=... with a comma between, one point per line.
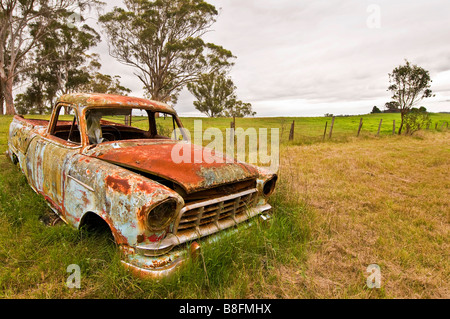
x=422, y=109
x=23, y=24
x=34, y=99
x=392, y=107
x=238, y=109
x=375, y=109
x=409, y=84
x=162, y=40
x=216, y=96
x=214, y=93
x=67, y=61
x=30, y=102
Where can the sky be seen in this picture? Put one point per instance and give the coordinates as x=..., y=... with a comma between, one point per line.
x=308, y=58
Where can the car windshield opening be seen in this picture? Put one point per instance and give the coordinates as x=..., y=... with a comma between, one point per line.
x=118, y=124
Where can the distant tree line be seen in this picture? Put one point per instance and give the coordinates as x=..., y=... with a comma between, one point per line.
x=392, y=107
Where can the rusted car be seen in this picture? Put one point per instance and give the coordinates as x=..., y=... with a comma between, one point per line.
x=106, y=159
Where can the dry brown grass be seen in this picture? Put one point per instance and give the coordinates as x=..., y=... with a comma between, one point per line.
x=383, y=201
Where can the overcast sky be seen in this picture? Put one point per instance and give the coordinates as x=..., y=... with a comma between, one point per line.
x=307, y=58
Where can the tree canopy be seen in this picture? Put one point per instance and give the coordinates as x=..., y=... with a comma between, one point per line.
x=216, y=96
x=375, y=109
x=162, y=40
x=214, y=93
x=392, y=107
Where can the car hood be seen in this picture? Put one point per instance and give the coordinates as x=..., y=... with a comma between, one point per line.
x=191, y=174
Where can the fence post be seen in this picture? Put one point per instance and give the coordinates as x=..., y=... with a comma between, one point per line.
x=435, y=126
x=393, y=128
x=325, y=131
x=291, y=133
x=331, y=127
x=379, y=127
x=360, y=126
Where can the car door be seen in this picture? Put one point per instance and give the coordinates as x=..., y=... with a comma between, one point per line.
x=51, y=152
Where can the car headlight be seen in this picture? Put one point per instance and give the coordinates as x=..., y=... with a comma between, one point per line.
x=269, y=185
x=161, y=215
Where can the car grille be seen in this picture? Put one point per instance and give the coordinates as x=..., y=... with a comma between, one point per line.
x=209, y=216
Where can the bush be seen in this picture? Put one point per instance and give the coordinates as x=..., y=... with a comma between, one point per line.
x=375, y=109
x=416, y=119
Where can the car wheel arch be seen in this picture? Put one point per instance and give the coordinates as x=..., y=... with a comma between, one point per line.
x=94, y=222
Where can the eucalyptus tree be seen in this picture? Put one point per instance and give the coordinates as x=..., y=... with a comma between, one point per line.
x=239, y=109
x=215, y=95
x=162, y=41
x=409, y=85
x=214, y=92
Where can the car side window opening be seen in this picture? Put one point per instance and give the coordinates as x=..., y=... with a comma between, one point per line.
x=167, y=127
x=65, y=126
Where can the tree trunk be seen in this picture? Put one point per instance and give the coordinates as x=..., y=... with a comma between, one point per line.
x=401, y=125
x=2, y=99
x=8, y=96
x=2, y=95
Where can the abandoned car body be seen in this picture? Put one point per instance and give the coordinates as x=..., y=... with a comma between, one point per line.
x=91, y=165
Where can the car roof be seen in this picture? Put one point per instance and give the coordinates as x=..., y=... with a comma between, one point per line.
x=88, y=100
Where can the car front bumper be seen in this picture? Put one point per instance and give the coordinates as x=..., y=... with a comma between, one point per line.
x=143, y=262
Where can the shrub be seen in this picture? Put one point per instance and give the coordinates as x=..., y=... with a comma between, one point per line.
x=416, y=119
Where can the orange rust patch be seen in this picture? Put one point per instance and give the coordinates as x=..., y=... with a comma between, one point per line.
x=118, y=184
x=145, y=187
x=141, y=215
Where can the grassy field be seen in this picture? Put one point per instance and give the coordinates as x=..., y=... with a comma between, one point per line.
x=307, y=130
x=339, y=206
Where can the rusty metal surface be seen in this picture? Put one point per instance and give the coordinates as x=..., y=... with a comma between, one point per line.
x=122, y=182
x=155, y=158
x=85, y=100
